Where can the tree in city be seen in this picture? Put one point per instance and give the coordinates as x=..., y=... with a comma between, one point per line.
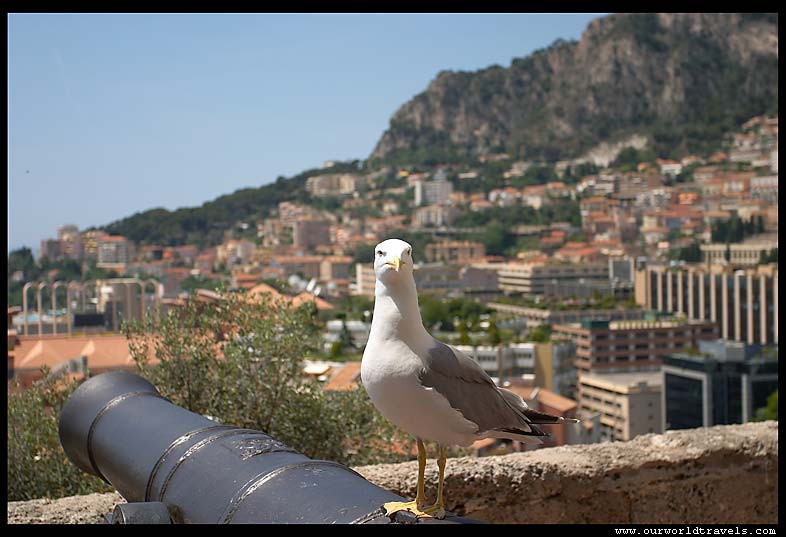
x=241, y=361
x=541, y=333
x=463, y=331
x=494, y=337
x=769, y=412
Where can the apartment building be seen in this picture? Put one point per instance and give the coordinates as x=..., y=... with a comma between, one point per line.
x=70, y=242
x=629, y=404
x=744, y=302
x=531, y=278
x=621, y=269
x=365, y=279
x=311, y=232
x=114, y=252
x=431, y=192
x=515, y=360
x=90, y=242
x=50, y=248
x=235, y=252
x=748, y=253
x=536, y=316
x=335, y=267
x=725, y=382
x=434, y=216
x=454, y=251
x=554, y=369
x=337, y=184
x=626, y=346
x=308, y=266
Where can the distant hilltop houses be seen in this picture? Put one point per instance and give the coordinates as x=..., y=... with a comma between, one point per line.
x=718, y=210
x=618, y=294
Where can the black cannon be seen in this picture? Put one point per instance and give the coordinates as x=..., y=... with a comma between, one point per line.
x=175, y=466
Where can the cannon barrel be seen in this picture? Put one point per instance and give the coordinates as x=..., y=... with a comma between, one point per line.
x=117, y=426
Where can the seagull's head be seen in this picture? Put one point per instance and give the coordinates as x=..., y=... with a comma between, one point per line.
x=392, y=260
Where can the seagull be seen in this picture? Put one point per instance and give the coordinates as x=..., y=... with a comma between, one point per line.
x=429, y=389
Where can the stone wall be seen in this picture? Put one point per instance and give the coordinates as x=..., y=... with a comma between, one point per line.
x=725, y=474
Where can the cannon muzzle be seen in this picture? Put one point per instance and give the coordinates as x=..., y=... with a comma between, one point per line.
x=117, y=426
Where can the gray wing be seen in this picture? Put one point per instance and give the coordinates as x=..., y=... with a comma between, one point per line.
x=471, y=391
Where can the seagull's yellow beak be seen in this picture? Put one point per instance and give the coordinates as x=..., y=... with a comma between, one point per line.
x=396, y=263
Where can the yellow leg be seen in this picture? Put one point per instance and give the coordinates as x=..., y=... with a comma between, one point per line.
x=438, y=509
x=420, y=500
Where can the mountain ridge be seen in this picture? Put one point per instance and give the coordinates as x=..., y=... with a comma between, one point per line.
x=665, y=76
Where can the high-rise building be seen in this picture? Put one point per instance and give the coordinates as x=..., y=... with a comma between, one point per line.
x=454, y=251
x=554, y=367
x=621, y=269
x=626, y=346
x=114, y=252
x=512, y=361
x=745, y=254
x=629, y=403
x=70, y=242
x=50, y=249
x=725, y=382
x=365, y=279
x=431, y=192
x=743, y=302
x=434, y=216
x=90, y=242
x=535, y=278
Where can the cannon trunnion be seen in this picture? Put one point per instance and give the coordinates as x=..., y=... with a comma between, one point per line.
x=165, y=459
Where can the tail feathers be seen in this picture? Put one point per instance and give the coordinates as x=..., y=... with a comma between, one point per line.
x=539, y=417
x=528, y=437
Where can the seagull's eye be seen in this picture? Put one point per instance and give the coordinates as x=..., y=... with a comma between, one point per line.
x=380, y=253
x=409, y=251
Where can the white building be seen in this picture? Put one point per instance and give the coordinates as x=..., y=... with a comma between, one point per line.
x=629, y=403
x=358, y=330
x=515, y=360
x=431, y=192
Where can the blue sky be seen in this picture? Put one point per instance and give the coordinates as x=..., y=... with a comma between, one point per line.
x=112, y=114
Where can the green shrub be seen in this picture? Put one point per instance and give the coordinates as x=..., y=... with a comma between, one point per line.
x=241, y=362
x=37, y=465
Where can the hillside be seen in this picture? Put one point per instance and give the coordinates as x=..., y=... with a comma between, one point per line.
x=679, y=80
x=205, y=225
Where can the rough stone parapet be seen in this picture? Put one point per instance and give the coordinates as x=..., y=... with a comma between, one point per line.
x=724, y=474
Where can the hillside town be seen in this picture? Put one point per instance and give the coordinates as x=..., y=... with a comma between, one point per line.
x=637, y=293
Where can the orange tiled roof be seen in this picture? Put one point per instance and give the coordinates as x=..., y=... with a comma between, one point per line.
x=102, y=351
x=308, y=297
x=264, y=288
x=346, y=378
x=544, y=396
x=245, y=276
x=298, y=259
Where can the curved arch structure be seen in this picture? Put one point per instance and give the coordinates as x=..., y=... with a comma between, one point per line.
x=27, y=286
x=82, y=288
x=40, y=308
x=55, y=285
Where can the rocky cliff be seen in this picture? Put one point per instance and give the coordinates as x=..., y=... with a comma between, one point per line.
x=680, y=80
